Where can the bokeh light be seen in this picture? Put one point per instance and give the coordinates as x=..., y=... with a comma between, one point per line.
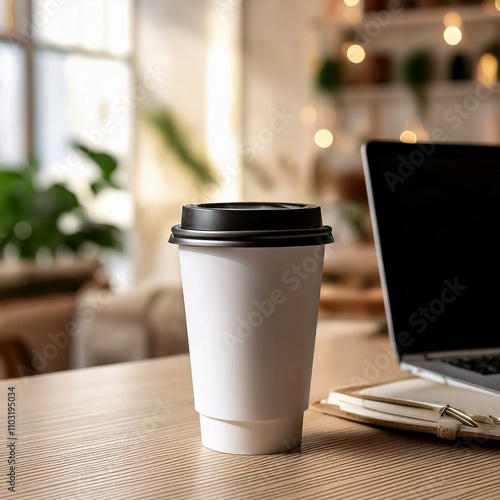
x=355, y=53
x=452, y=19
x=408, y=136
x=308, y=115
x=452, y=35
x=487, y=70
x=323, y=138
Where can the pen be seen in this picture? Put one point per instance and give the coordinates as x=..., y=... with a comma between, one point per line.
x=461, y=416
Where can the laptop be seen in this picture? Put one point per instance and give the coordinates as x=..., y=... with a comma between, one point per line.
x=435, y=211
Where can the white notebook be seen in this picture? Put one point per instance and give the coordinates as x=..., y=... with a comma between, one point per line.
x=420, y=405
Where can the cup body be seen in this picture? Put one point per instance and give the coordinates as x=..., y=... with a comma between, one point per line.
x=251, y=315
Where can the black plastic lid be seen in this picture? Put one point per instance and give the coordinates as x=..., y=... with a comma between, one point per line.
x=251, y=225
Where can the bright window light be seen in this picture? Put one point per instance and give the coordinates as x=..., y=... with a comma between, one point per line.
x=222, y=100
x=12, y=117
x=91, y=24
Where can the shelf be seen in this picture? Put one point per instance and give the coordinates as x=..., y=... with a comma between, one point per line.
x=423, y=16
x=468, y=13
x=394, y=35
x=400, y=91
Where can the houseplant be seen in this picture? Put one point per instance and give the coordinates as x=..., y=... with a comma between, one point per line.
x=31, y=213
x=329, y=77
x=417, y=73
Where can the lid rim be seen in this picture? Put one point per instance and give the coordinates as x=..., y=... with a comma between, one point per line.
x=251, y=224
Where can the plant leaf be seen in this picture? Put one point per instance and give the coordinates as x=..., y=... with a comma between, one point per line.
x=167, y=127
x=329, y=77
x=417, y=72
x=106, y=163
x=105, y=235
x=15, y=193
x=50, y=203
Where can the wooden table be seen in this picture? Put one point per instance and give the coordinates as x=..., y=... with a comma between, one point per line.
x=130, y=431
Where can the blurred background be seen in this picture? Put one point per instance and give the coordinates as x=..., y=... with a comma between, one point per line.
x=115, y=113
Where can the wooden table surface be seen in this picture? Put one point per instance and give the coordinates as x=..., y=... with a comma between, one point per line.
x=130, y=431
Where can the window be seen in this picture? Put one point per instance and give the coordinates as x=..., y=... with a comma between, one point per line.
x=66, y=72
x=12, y=117
x=65, y=67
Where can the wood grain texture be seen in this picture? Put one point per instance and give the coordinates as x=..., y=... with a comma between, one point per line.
x=129, y=431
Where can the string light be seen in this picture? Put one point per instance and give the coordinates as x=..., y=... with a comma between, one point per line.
x=355, y=53
x=323, y=138
x=487, y=70
x=408, y=136
x=452, y=35
x=452, y=19
x=308, y=115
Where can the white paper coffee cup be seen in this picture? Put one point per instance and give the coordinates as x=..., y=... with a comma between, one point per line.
x=251, y=302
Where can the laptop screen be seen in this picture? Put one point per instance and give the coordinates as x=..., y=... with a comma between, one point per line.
x=436, y=214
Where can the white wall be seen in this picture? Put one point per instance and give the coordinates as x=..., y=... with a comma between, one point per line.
x=279, y=60
x=185, y=42
x=238, y=89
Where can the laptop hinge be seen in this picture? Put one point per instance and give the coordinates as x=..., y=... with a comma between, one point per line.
x=461, y=353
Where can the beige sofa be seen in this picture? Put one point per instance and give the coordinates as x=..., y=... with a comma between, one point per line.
x=67, y=317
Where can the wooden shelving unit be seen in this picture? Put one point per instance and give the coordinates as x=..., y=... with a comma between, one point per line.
x=405, y=17
x=395, y=34
x=392, y=91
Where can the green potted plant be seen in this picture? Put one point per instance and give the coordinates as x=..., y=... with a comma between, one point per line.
x=329, y=77
x=31, y=213
x=417, y=73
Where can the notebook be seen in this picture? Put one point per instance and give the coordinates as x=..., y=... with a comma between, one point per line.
x=418, y=405
x=435, y=211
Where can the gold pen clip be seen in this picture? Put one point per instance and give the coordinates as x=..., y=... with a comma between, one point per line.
x=495, y=420
x=458, y=415
x=468, y=418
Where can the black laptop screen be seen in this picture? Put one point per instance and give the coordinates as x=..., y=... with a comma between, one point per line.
x=437, y=209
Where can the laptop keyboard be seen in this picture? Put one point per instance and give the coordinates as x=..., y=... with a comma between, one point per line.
x=486, y=365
